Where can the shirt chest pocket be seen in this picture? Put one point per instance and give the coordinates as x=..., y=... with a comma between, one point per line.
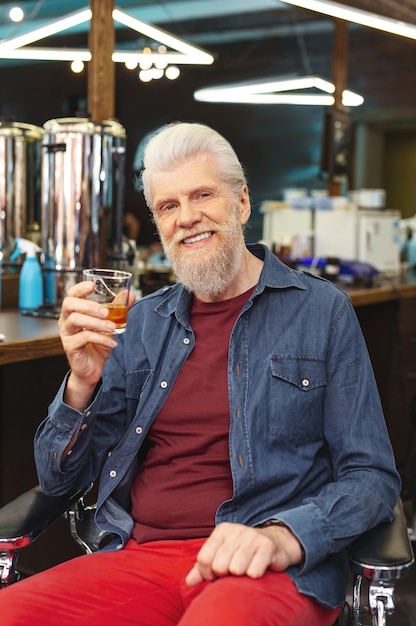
x=136, y=382
x=296, y=398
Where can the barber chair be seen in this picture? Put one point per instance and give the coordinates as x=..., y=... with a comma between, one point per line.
x=379, y=557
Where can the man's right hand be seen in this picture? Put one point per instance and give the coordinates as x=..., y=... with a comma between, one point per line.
x=87, y=338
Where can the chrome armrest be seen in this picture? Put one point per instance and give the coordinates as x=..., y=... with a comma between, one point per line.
x=83, y=527
x=25, y=518
x=381, y=556
x=384, y=552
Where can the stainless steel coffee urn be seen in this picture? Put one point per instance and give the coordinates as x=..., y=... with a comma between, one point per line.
x=83, y=181
x=20, y=169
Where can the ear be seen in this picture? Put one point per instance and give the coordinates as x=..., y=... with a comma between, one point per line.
x=245, y=206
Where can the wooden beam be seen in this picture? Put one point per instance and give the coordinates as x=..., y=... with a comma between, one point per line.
x=340, y=60
x=101, y=70
x=339, y=78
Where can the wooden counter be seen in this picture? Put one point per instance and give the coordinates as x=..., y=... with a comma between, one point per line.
x=30, y=338
x=32, y=366
x=385, y=290
x=27, y=337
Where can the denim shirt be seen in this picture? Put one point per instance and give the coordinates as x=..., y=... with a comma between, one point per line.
x=308, y=442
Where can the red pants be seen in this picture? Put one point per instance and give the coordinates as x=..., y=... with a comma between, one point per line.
x=145, y=585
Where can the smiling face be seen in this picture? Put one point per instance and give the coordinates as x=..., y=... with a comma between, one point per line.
x=200, y=222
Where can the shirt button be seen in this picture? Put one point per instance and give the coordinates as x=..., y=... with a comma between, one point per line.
x=84, y=426
x=88, y=413
x=186, y=341
x=139, y=430
x=163, y=384
x=305, y=382
x=113, y=474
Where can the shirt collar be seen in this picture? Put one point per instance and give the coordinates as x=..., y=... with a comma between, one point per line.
x=275, y=275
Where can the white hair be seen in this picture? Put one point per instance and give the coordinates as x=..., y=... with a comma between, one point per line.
x=174, y=143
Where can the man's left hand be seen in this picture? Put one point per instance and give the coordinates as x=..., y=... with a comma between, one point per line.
x=242, y=550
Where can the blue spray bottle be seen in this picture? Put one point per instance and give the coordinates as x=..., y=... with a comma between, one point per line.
x=31, y=280
x=411, y=248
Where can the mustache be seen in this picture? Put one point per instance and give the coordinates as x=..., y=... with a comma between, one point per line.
x=179, y=236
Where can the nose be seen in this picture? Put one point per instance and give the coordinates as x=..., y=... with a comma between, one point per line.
x=187, y=215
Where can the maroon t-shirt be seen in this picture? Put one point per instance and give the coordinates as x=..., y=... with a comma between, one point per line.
x=186, y=473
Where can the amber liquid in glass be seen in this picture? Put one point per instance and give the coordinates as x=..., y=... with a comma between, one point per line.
x=117, y=313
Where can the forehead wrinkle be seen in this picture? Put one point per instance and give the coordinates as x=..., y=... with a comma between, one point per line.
x=170, y=186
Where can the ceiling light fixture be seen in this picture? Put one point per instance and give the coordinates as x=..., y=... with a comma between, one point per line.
x=46, y=54
x=357, y=16
x=172, y=72
x=69, y=21
x=195, y=55
x=150, y=58
x=184, y=53
x=147, y=74
x=77, y=67
x=264, y=92
x=16, y=14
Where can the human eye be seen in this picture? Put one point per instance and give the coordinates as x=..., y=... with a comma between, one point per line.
x=166, y=207
x=201, y=195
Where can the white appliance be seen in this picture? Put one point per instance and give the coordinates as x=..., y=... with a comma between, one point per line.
x=282, y=224
x=368, y=236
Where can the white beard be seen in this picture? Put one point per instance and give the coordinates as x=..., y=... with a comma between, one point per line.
x=208, y=272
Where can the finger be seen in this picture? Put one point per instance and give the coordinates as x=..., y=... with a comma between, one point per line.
x=79, y=323
x=210, y=553
x=74, y=343
x=82, y=289
x=132, y=298
x=260, y=560
x=226, y=551
x=71, y=311
x=236, y=549
x=227, y=540
x=76, y=303
x=73, y=305
x=123, y=295
x=249, y=554
x=195, y=576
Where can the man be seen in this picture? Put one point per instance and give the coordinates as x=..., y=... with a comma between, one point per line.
x=236, y=426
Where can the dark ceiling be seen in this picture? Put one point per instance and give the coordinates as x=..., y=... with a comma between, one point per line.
x=211, y=22
x=249, y=39
x=233, y=30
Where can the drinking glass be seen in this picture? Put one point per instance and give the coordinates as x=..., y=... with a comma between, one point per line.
x=112, y=288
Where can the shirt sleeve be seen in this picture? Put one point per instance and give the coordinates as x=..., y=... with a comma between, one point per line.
x=365, y=484
x=87, y=436
x=62, y=427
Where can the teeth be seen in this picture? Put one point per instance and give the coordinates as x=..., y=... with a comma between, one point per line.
x=197, y=238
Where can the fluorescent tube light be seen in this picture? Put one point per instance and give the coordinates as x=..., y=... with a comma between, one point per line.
x=47, y=54
x=198, y=55
x=83, y=54
x=121, y=56
x=71, y=20
x=357, y=16
x=184, y=53
x=226, y=97
x=264, y=92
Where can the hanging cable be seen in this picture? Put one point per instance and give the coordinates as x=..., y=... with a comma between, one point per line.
x=300, y=40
